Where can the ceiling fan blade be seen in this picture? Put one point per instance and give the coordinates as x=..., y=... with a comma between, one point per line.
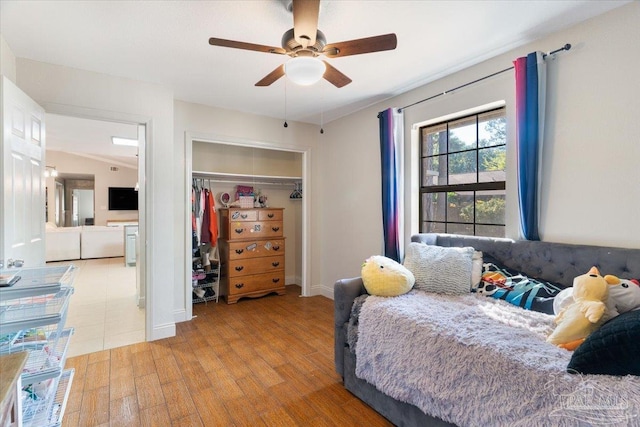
x=335, y=77
x=272, y=76
x=359, y=46
x=246, y=46
x=305, y=21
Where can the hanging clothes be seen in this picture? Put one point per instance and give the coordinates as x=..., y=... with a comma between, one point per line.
x=205, y=232
x=194, y=235
x=213, y=219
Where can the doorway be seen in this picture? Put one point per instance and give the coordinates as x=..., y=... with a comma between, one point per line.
x=110, y=292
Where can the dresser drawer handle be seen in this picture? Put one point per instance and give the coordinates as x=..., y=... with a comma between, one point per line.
x=275, y=228
x=270, y=215
x=239, y=230
x=276, y=248
x=244, y=216
x=239, y=251
x=276, y=280
x=239, y=268
x=239, y=285
x=275, y=264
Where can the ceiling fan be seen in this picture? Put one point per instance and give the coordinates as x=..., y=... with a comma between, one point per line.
x=304, y=43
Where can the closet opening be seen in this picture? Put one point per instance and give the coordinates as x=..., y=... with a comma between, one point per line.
x=278, y=178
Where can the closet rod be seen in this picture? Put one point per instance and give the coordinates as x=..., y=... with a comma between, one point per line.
x=565, y=47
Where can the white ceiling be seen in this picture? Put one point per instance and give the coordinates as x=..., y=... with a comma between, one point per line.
x=91, y=138
x=166, y=42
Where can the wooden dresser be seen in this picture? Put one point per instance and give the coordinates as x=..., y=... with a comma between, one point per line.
x=252, y=252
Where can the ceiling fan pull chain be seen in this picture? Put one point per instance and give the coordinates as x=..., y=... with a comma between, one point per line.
x=322, y=113
x=285, y=104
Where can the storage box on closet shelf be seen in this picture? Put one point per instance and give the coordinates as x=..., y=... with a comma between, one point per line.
x=246, y=201
x=244, y=195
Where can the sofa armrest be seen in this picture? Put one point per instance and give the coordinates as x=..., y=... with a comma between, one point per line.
x=345, y=292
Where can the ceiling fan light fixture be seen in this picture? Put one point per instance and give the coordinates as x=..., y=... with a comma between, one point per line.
x=304, y=70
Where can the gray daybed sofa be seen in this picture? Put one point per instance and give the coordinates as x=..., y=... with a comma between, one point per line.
x=555, y=262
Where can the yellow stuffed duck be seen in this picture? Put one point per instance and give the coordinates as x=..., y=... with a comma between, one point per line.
x=385, y=277
x=624, y=295
x=585, y=314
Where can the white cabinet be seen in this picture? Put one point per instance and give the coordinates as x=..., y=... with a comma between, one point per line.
x=33, y=312
x=130, y=237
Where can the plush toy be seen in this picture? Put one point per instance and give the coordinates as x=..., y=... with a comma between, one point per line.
x=562, y=300
x=385, y=277
x=624, y=295
x=584, y=315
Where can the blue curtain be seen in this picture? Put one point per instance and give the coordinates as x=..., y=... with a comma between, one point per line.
x=530, y=102
x=392, y=168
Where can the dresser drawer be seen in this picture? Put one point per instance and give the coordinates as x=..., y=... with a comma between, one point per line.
x=270, y=215
x=256, y=282
x=244, y=267
x=243, y=215
x=254, y=229
x=255, y=248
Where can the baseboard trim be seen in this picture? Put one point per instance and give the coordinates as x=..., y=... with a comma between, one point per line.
x=180, y=316
x=159, y=332
x=325, y=291
x=293, y=280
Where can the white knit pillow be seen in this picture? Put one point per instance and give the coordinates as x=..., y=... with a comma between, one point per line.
x=439, y=269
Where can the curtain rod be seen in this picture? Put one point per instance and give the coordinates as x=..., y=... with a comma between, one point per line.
x=565, y=47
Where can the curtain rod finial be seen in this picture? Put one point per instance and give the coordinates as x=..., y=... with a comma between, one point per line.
x=567, y=46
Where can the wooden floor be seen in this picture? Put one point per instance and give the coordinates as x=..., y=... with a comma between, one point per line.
x=260, y=362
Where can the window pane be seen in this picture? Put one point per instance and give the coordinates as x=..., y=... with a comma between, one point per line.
x=434, y=140
x=490, y=230
x=462, y=134
x=490, y=207
x=469, y=153
x=492, y=129
x=466, y=229
x=462, y=168
x=433, y=227
x=460, y=206
x=434, y=171
x=434, y=207
x=492, y=165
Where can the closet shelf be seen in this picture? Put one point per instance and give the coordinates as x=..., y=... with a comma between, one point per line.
x=247, y=178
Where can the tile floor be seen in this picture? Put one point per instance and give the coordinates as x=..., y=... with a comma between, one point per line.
x=103, y=308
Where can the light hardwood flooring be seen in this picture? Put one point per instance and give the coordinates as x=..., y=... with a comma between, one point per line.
x=260, y=362
x=103, y=309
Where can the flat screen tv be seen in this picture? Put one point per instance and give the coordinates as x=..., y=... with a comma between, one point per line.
x=123, y=199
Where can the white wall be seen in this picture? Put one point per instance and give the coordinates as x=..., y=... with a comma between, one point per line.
x=103, y=178
x=102, y=96
x=7, y=60
x=232, y=159
x=591, y=185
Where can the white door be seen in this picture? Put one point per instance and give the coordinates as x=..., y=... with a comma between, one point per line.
x=22, y=195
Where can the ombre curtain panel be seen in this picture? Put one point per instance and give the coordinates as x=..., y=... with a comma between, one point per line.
x=392, y=167
x=530, y=74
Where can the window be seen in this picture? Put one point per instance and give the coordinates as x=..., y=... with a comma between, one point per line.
x=462, y=175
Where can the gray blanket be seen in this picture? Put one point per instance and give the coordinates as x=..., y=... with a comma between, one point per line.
x=477, y=361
